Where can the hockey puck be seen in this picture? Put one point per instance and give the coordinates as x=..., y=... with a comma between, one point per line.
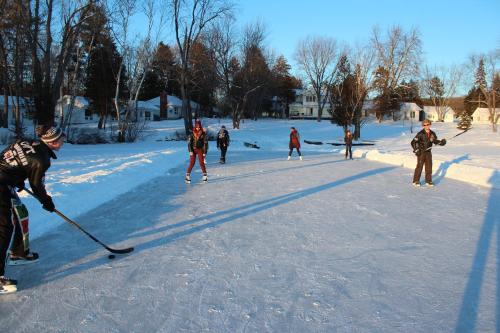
x=111, y=256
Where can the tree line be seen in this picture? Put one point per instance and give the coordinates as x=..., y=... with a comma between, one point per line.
x=91, y=48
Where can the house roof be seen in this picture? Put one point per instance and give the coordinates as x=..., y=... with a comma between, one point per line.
x=80, y=101
x=171, y=101
x=12, y=100
x=410, y=107
x=433, y=109
x=485, y=111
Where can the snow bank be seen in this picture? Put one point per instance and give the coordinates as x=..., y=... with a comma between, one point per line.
x=453, y=169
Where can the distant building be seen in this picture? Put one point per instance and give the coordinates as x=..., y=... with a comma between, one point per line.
x=431, y=113
x=25, y=106
x=483, y=116
x=408, y=111
x=78, y=111
x=169, y=107
x=305, y=105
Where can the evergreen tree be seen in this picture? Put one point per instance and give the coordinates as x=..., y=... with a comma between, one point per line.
x=102, y=65
x=480, y=77
x=162, y=75
x=284, y=83
x=202, y=78
x=465, y=121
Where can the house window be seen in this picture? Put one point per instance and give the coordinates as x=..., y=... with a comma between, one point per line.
x=310, y=112
x=88, y=115
x=412, y=114
x=147, y=115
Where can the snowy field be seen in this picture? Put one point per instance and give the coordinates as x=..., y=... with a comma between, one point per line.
x=267, y=245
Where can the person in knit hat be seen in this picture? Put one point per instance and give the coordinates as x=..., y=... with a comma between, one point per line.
x=197, y=146
x=24, y=159
x=222, y=143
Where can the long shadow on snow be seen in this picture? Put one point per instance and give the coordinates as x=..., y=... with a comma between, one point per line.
x=233, y=214
x=468, y=316
x=68, y=249
x=259, y=173
x=443, y=167
x=66, y=246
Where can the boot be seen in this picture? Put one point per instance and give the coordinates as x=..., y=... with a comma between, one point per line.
x=188, y=178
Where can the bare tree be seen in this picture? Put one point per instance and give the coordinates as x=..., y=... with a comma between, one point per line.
x=363, y=60
x=397, y=59
x=222, y=42
x=137, y=54
x=318, y=59
x=440, y=84
x=51, y=51
x=191, y=18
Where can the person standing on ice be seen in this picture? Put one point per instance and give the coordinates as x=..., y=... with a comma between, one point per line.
x=348, y=144
x=294, y=142
x=223, y=143
x=197, y=146
x=422, y=144
x=20, y=161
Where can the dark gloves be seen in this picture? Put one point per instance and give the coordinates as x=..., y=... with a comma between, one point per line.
x=20, y=187
x=48, y=204
x=442, y=142
x=416, y=151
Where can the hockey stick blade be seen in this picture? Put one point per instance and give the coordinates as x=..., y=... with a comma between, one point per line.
x=76, y=225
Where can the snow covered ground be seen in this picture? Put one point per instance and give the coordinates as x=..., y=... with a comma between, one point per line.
x=268, y=245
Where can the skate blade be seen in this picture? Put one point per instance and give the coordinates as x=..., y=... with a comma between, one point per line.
x=20, y=262
x=9, y=289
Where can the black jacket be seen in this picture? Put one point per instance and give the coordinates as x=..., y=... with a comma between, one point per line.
x=223, y=138
x=422, y=143
x=26, y=160
x=200, y=142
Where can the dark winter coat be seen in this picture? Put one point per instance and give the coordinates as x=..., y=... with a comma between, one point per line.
x=423, y=142
x=294, y=140
x=26, y=160
x=198, y=140
x=223, y=138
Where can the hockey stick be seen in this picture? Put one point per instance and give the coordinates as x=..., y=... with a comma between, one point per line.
x=451, y=137
x=73, y=223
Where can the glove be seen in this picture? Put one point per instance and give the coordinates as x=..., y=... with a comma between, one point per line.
x=20, y=187
x=48, y=204
x=190, y=153
x=442, y=142
x=416, y=151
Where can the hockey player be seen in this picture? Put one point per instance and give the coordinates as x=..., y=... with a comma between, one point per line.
x=294, y=142
x=197, y=146
x=20, y=161
x=348, y=144
x=223, y=143
x=422, y=144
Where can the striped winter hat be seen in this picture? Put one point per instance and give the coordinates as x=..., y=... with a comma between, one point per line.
x=52, y=134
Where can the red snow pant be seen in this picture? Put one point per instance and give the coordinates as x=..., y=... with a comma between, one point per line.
x=192, y=159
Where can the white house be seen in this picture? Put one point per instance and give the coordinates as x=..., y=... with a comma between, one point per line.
x=80, y=112
x=431, y=113
x=408, y=111
x=482, y=116
x=169, y=107
x=24, y=107
x=306, y=105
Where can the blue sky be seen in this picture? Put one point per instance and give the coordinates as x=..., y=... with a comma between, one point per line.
x=450, y=30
